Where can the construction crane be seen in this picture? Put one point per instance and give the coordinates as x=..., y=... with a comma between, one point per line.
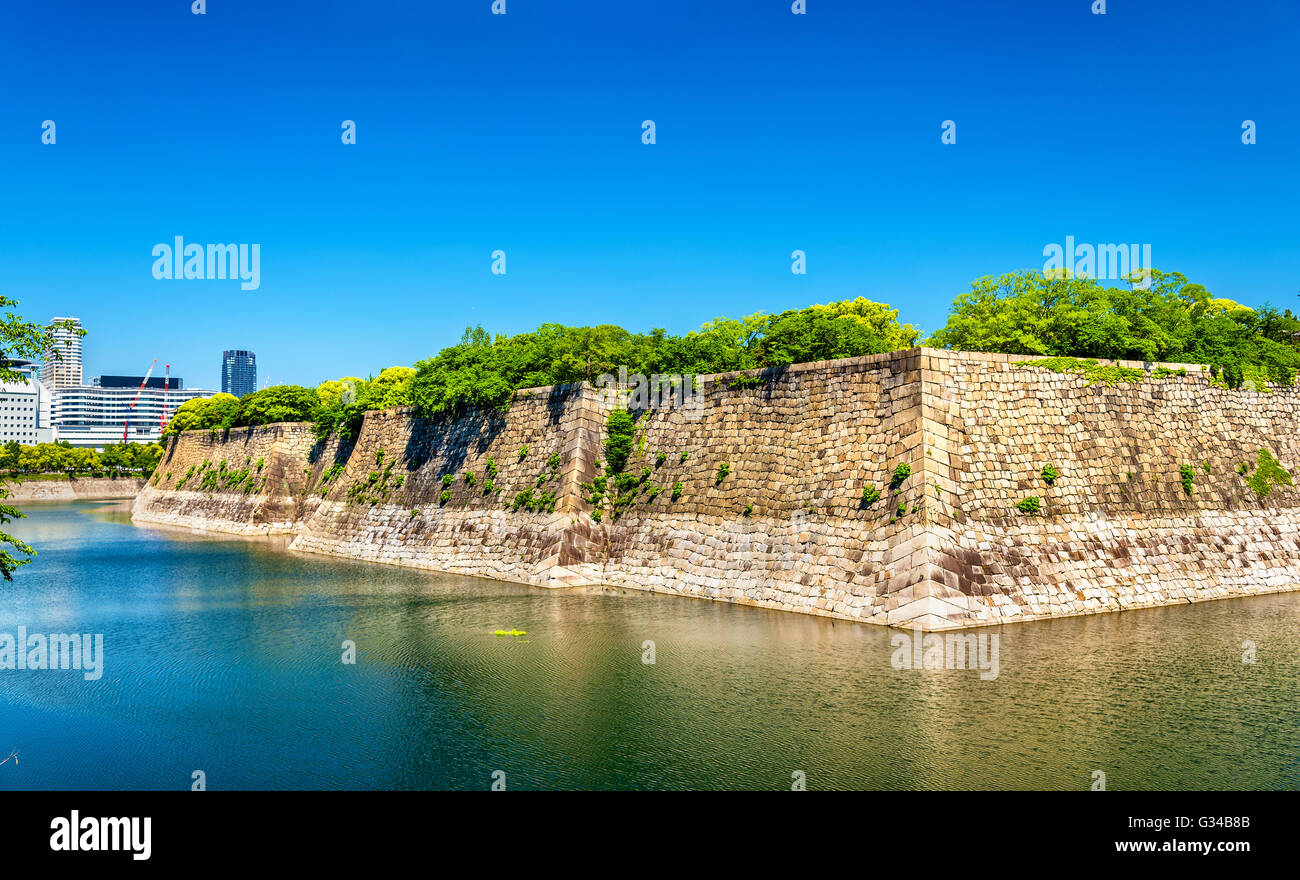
x=131, y=408
x=162, y=416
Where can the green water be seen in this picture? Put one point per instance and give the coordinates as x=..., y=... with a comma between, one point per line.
x=223, y=655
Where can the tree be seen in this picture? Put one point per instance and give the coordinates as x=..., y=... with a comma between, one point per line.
x=9, y=455
x=117, y=457
x=843, y=329
x=485, y=372
x=20, y=339
x=279, y=403
x=217, y=411
x=1170, y=319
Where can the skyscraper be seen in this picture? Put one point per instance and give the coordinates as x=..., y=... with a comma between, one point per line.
x=238, y=372
x=65, y=369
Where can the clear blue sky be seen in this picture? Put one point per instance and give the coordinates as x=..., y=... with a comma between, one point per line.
x=523, y=132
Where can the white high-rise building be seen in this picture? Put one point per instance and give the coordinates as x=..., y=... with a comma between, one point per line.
x=66, y=368
x=25, y=407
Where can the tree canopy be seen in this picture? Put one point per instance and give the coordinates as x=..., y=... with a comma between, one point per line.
x=1168, y=319
x=485, y=371
x=278, y=403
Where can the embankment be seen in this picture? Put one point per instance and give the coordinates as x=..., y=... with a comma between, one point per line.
x=785, y=523
x=71, y=490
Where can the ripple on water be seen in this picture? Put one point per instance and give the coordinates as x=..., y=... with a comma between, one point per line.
x=225, y=655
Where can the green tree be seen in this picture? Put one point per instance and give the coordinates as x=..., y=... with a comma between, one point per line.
x=279, y=403
x=1170, y=319
x=117, y=457
x=9, y=455
x=844, y=329
x=217, y=411
x=20, y=340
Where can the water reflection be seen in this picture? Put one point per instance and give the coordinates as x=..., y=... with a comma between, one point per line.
x=223, y=654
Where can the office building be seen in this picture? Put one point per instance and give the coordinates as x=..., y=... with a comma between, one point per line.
x=98, y=415
x=238, y=372
x=25, y=407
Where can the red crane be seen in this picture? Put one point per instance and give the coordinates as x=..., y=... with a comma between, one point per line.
x=131, y=408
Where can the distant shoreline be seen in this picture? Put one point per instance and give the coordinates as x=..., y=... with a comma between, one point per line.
x=46, y=489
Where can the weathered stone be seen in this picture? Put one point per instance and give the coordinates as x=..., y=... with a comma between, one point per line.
x=975, y=429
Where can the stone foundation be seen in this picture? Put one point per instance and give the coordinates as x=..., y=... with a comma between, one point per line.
x=787, y=527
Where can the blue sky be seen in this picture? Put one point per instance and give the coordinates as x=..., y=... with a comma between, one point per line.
x=522, y=132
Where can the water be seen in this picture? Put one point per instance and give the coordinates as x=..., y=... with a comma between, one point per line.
x=223, y=655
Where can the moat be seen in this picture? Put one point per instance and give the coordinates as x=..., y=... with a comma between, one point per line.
x=224, y=655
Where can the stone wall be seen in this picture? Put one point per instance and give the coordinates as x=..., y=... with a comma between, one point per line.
x=787, y=527
x=386, y=505
x=1118, y=530
x=71, y=490
x=253, y=481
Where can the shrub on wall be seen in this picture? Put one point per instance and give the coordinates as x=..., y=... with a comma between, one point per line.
x=620, y=434
x=901, y=473
x=1269, y=474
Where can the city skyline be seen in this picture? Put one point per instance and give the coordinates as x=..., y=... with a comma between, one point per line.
x=380, y=252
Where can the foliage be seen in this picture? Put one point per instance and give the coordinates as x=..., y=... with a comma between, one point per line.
x=1030, y=505
x=723, y=470
x=1092, y=371
x=62, y=457
x=620, y=431
x=870, y=495
x=677, y=491
x=1049, y=474
x=21, y=340
x=1187, y=475
x=217, y=411
x=535, y=502
x=484, y=371
x=742, y=382
x=278, y=403
x=838, y=330
x=344, y=402
x=901, y=473
x=1269, y=474
x=1169, y=319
